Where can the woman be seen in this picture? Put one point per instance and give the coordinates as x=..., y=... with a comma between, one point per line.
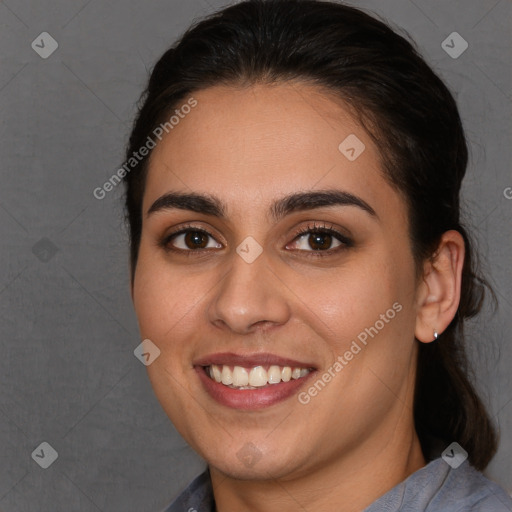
x=300, y=272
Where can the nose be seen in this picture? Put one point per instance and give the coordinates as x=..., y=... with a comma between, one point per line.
x=250, y=297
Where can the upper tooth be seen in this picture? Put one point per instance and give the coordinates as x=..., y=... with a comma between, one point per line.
x=295, y=373
x=227, y=376
x=286, y=374
x=240, y=376
x=258, y=376
x=216, y=374
x=274, y=375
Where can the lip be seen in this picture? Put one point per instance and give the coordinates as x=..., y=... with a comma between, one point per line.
x=250, y=360
x=250, y=399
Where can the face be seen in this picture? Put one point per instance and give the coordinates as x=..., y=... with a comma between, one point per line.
x=270, y=246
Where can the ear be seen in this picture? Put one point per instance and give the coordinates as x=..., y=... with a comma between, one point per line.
x=438, y=294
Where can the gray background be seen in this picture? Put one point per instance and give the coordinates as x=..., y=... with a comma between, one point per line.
x=68, y=375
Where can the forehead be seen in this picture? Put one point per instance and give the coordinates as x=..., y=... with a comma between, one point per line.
x=250, y=145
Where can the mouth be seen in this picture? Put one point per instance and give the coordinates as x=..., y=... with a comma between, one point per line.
x=251, y=382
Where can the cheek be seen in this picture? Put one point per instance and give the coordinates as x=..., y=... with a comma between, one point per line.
x=367, y=318
x=369, y=303
x=166, y=301
x=353, y=296
x=167, y=306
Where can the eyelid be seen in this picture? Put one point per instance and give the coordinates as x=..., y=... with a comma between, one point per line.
x=323, y=227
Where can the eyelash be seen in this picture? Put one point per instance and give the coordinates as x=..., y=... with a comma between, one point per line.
x=309, y=229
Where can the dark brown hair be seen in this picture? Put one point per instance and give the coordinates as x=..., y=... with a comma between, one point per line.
x=406, y=109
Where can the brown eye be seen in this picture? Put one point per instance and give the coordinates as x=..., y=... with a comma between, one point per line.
x=320, y=241
x=191, y=240
x=196, y=240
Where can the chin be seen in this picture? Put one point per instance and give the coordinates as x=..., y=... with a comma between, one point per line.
x=248, y=462
x=262, y=471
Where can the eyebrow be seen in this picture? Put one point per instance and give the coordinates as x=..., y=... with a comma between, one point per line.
x=299, y=201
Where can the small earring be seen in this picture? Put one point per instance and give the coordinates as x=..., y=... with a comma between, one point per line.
x=436, y=335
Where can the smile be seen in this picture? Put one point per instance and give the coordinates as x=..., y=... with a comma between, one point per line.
x=239, y=377
x=251, y=381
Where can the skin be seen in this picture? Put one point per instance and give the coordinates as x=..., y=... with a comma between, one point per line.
x=355, y=439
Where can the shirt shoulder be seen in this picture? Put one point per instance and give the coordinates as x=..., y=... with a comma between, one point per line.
x=437, y=487
x=470, y=491
x=197, y=497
